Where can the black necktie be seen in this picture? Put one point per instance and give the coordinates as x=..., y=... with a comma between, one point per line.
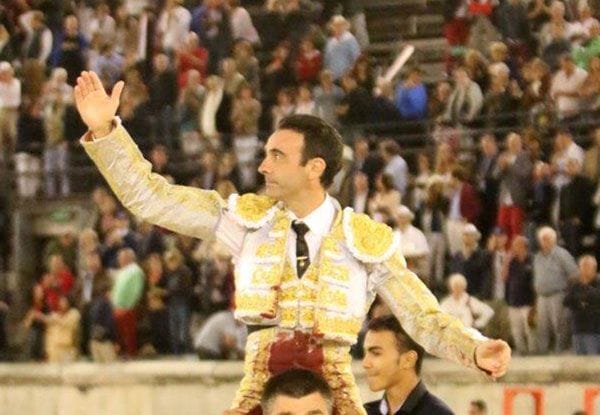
x=302, y=258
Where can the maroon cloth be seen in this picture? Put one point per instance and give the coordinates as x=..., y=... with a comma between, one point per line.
x=470, y=208
x=308, y=67
x=126, y=321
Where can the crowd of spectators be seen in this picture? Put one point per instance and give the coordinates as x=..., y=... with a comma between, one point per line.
x=498, y=214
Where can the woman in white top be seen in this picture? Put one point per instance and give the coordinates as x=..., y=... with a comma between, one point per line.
x=468, y=309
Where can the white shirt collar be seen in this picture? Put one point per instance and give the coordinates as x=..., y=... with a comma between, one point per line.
x=320, y=220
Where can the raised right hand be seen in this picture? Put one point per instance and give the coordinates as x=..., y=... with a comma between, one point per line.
x=96, y=108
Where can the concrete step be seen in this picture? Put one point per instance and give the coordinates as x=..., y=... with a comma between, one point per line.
x=429, y=50
x=388, y=28
x=403, y=7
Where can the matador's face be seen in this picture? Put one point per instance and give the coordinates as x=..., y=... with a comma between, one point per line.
x=286, y=176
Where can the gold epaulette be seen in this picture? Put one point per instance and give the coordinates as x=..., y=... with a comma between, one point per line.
x=369, y=241
x=252, y=210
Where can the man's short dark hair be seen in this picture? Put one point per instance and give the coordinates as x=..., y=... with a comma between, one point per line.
x=479, y=404
x=320, y=140
x=295, y=383
x=403, y=341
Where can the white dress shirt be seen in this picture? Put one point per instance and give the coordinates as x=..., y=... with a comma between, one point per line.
x=468, y=309
x=319, y=223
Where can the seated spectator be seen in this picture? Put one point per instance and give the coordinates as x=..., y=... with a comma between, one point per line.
x=245, y=113
x=241, y=23
x=307, y=64
x=173, y=25
x=342, y=49
x=190, y=55
x=588, y=49
x=438, y=101
x=411, y=96
x=513, y=23
x=473, y=263
x=395, y=165
x=557, y=46
x=363, y=73
x=557, y=19
x=101, y=23
x=355, y=108
x=566, y=85
x=285, y=106
x=37, y=44
x=586, y=18
x=232, y=78
x=10, y=100
x=247, y=64
x=467, y=308
x=520, y=296
x=590, y=90
x=304, y=101
x=58, y=281
x=500, y=103
x=62, y=328
x=466, y=100
x=222, y=337
x=583, y=299
x=413, y=243
x=565, y=149
x=393, y=363
x=536, y=75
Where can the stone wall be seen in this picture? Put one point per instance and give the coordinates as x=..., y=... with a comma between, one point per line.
x=206, y=388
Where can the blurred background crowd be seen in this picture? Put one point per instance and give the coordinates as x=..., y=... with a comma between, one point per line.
x=488, y=168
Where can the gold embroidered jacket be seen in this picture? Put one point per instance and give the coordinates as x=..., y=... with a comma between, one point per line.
x=357, y=260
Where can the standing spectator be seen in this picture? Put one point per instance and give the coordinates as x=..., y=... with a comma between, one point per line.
x=543, y=196
x=284, y=107
x=467, y=308
x=232, y=78
x=552, y=268
x=591, y=163
x=583, y=298
x=342, y=49
x=103, y=343
x=173, y=25
x=28, y=149
x=62, y=328
x=308, y=62
x=64, y=245
x=215, y=33
x=385, y=200
x=514, y=172
x=431, y=218
x=101, y=24
x=125, y=295
x=438, y=101
x=557, y=46
x=35, y=326
x=189, y=102
x=36, y=49
x=57, y=282
x=464, y=208
x=575, y=207
x=163, y=98
x=473, y=263
x=178, y=285
x=327, y=97
x=10, y=100
x=466, y=100
x=277, y=75
x=497, y=247
x=244, y=118
x=70, y=49
x=241, y=23
x=500, y=104
x=157, y=312
x=360, y=192
x=565, y=88
x=520, y=296
x=190, y=55
x=514, y=25
x=215, y=112
x=215, y=285
x=411, y=96
x=488, y=183
x=395, y=165
x=355, y=109
x=565, y=149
